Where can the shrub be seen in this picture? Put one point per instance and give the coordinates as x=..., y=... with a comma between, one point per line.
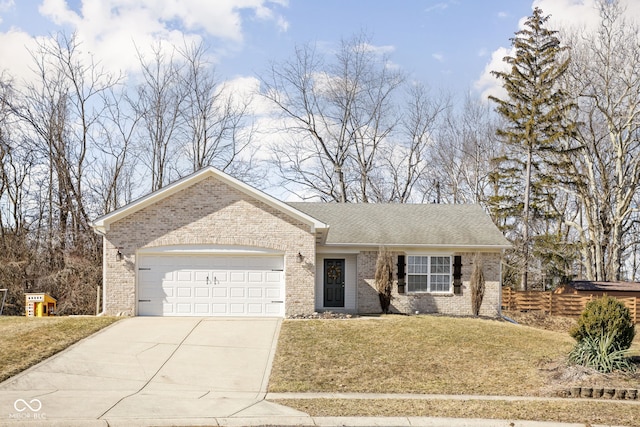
x=383, y=278
x=477, y=285
x=599, y=352
x=603, y=317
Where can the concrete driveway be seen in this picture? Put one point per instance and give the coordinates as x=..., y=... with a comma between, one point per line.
x=152, y=368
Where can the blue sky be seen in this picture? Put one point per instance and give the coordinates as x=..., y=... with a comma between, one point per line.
x=442, y=43
x=448, y=44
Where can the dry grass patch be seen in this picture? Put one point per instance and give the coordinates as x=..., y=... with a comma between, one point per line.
x=27, y=341
x=570, y=411
x=414, y=354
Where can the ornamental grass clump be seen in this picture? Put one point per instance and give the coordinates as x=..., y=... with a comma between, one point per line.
x=604, y=333
x=601, y=353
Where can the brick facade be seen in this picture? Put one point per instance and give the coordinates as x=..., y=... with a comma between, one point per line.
x=208, y=213
x=457, y=305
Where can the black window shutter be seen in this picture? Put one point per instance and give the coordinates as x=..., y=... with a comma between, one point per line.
x=401, y=266
x=401, y=273
x=457, y=275
x=457, y=267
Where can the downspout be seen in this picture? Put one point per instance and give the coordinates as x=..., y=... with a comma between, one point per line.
x=104, y=271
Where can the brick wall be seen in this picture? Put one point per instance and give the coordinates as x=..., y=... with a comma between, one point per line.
x=208, y=213
x=457, y=305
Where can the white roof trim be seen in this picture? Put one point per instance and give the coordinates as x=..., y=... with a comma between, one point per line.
x=101, y=224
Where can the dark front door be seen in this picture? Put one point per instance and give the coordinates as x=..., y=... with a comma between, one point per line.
x=334, y=283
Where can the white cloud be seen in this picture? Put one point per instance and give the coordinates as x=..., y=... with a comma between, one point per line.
x=503, y=15
x=438, y=57
x=110, y=28
x=483, y=51
x=378, y=50
x=14, y=55
x=487, y=84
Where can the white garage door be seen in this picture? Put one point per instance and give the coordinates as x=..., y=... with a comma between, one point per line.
x=210, y=285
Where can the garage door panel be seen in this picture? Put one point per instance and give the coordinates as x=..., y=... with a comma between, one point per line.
x=254, y=292
x=184, y=308
x=219, y=292
x=273, y=293
x=219, y=308
x=272, y=277
x=237, y=308
x=210, y=285
x=255, y=308
x=237, y=276
x=201, y=309
x=184, y=276
x=184, y=292
x=202, y=276
x=255, y=277
x=236, y=292
x=201, y=292
x=220, y=277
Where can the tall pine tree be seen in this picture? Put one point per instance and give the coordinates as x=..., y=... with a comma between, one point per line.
x=534, y=114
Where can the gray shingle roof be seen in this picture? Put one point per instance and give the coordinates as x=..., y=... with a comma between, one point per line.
x=405, y=224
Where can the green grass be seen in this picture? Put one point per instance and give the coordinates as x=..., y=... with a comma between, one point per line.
x=26, y=341
x=414, y=354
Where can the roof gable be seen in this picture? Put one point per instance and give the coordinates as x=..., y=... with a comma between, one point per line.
x=101, y=224
x=398, y=224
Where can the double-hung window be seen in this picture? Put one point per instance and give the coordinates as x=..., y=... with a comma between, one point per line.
x=429, y=274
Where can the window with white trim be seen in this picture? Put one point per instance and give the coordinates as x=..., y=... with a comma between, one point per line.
x=429, y=273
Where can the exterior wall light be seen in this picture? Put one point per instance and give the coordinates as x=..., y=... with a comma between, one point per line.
x=299, y=257
x=118, y=255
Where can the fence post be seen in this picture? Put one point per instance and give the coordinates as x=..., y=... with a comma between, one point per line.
x=550, y=303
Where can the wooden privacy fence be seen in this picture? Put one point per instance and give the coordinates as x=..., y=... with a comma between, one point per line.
x=558, y=304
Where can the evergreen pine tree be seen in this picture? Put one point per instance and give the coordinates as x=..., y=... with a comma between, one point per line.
x=534, y=114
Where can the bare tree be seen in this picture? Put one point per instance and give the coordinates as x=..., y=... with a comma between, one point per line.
x=406, y=160
x=340, y=110
x=114, y=174
x=458, y=147
x=52, y=125
x=159, y=101
x=61, y=108
x=601, y=165
x=216, y=119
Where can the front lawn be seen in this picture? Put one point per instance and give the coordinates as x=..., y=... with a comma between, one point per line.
x=440, y=355
x=415, y=354
x=25, y=341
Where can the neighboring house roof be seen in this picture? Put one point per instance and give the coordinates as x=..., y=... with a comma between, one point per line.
x=102, y=223
x=397, y=224
x=591, y=286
